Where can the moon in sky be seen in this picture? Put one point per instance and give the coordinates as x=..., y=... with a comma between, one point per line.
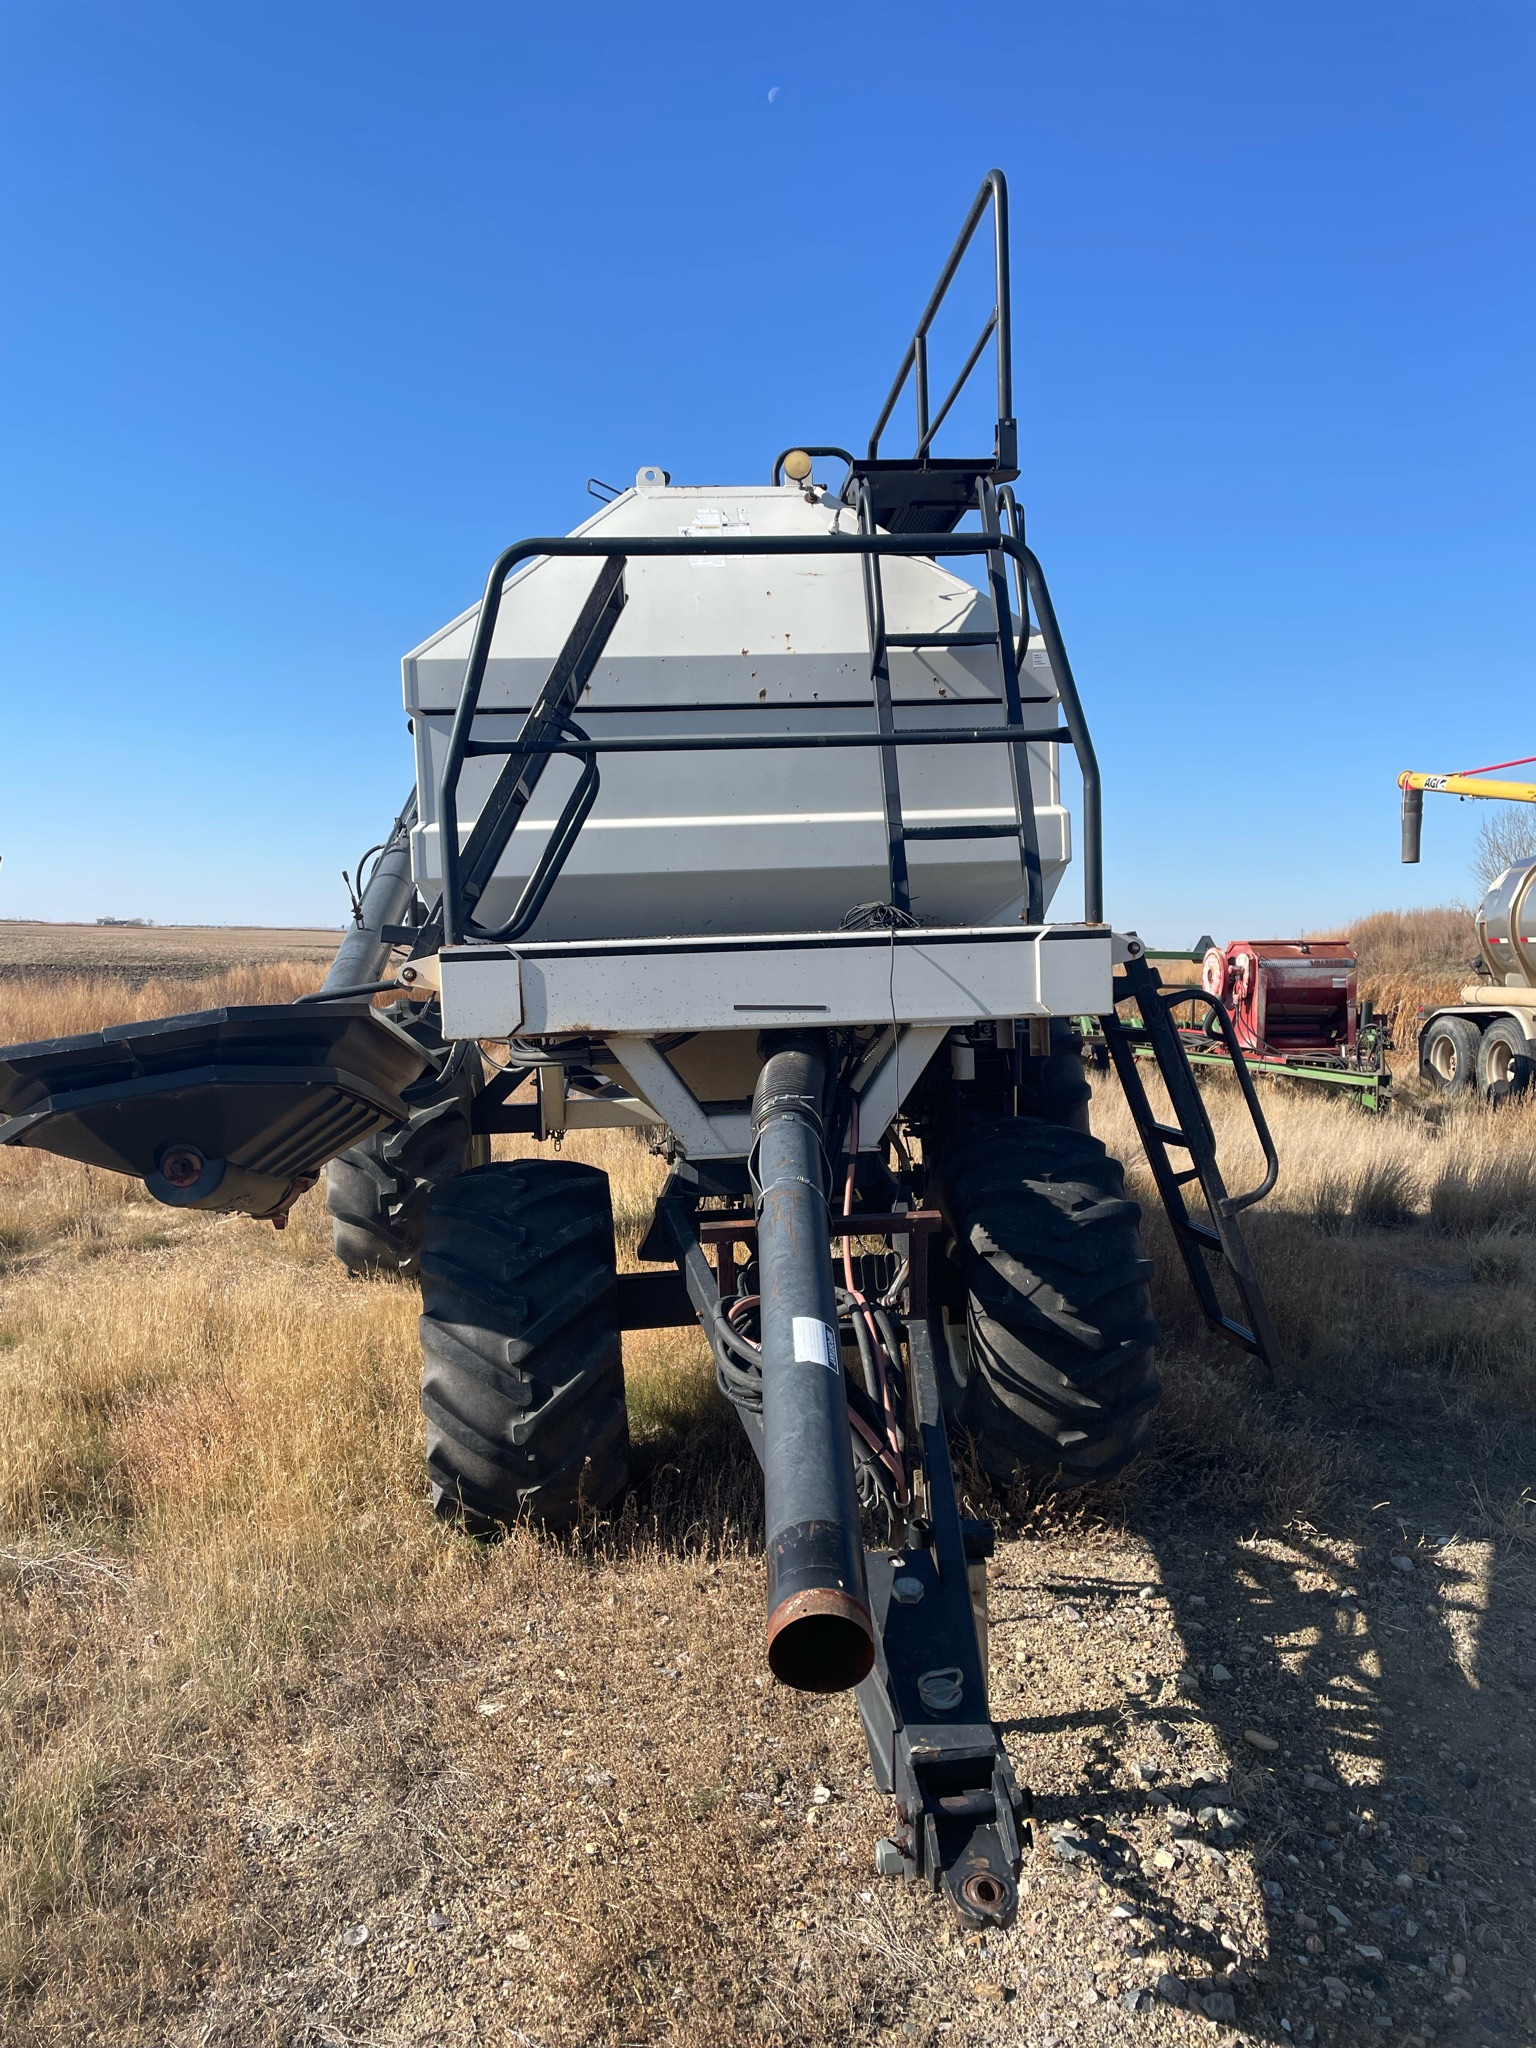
x=773, y=93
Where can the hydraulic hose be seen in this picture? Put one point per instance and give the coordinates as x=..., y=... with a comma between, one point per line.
x=364, y=952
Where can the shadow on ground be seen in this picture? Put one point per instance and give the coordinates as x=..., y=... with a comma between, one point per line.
x=1348, y=1715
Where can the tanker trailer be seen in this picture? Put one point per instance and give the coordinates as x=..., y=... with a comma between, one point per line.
x=738, y=817
x=1486, y=1043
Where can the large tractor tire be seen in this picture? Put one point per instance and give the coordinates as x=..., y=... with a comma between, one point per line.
x=522, y=1377
x=1053, y=1368
x=378, y=1192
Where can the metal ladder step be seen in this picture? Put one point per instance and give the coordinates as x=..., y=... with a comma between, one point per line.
x=962, y=831
x=1221, y=1241
x=941, y=639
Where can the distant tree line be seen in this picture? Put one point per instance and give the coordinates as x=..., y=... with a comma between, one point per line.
x=1506, y=839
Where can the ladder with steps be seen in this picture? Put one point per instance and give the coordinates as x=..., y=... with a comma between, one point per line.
x=932, y=493
x=1208, y=1249
x=985, y=500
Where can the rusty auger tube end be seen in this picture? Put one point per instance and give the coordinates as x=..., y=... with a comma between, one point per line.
x=820, y=1637
x=820, y=1640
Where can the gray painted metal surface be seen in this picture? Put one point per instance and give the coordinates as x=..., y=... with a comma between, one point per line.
x=759, y=841
x=1506, y=926
x=819, y=979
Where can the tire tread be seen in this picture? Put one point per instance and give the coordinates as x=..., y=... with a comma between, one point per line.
x=1059, y=1316
x=522, y=1374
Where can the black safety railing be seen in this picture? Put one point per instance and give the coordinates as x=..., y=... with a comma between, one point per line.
x=548, y=729
x=1011, y=519
x=914, y=364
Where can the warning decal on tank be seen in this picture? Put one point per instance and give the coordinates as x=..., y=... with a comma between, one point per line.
x=718, y=525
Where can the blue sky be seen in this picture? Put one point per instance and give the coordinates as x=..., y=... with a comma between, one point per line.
x=310, y=309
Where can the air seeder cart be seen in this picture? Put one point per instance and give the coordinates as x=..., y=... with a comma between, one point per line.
x=738, y=816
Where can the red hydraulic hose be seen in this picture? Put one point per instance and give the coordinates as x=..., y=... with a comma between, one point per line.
x=893, y=1460
x=1524, y=762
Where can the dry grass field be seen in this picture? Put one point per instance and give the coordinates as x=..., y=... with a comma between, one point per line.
x=139, y=953
x=285, y=1762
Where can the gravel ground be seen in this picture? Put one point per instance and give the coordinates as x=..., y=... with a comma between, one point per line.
x=1283, y=1787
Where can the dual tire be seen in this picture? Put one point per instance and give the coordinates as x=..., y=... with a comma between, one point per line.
x=1496, y=1060
x=523, y=1384
x=377, y=1193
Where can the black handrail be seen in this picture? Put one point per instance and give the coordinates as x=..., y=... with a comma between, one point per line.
x=897, y=869
x=993, y=193
x=599, y=547
x=1011, y=518
x=1172, y=998
x=1008, y=655
x=769, y=742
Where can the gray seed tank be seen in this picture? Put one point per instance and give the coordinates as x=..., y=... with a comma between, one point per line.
x=719, y=643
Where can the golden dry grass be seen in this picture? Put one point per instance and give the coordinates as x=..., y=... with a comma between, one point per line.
x=59, y=1004
x=1428, y=945
x=230, y=1623
x=1380, y=1246
x=210, y=1477
x=1412, y=957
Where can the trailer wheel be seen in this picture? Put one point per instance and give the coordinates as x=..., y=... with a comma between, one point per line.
x=522, y=1378
x=1504, y=1062
x=1059, y=1367
x=1450, y=1054
x=378, y=1192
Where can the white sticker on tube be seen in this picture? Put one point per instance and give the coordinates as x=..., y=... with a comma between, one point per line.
x=815, y=1344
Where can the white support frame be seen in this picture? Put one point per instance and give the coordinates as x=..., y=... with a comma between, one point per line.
x=820, y=980
x=654, y=1078
x=889, y=1071
x=882, y=1082
x=912, y=987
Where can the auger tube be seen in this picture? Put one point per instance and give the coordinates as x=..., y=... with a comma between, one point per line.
x=820, y=1637
x=364, y=953
x=1413, y=824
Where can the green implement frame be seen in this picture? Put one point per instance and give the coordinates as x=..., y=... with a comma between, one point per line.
x=1372, y=1090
